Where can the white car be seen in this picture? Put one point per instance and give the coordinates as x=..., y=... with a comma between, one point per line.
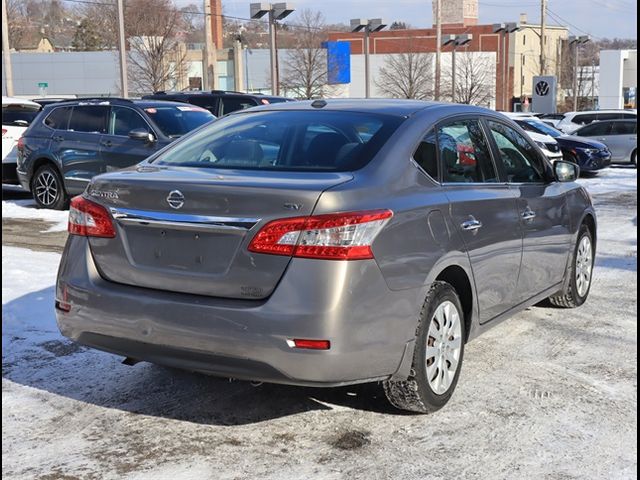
x=17, y=115
x=547, y=143
x=572, y=121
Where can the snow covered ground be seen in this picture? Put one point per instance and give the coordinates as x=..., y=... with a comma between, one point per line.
x=547, y=394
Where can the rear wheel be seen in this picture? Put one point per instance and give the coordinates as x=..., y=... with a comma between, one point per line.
x=581, y=273
x=48, y=190
x=634, y=158
x=437, y=356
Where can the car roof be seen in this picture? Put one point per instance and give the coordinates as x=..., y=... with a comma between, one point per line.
x=18, y=101
x=116, y=101
x=591, y=112
x=213, y=93
x=397, y=107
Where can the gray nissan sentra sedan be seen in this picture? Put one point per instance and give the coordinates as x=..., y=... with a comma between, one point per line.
x=326, y=243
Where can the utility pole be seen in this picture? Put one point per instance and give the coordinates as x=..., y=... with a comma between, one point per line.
x=436, y=90
x=456, y=41
x=209, y=77
x=124, y=83
x=543, y=26
x=6, y=53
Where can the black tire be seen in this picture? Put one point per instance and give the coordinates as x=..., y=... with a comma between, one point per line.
x=48, y=189
x=415, y=394
x=571, y=298
x=634, y=158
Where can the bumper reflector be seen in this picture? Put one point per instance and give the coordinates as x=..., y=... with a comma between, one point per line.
x=309, y=344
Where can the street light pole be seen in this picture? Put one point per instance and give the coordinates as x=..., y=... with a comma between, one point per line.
x=577, y=41
x=367, y=26
x=124, y=84
x=6, y=53
x=455, y=40
x=436, y=90
x=275, y=11
x=543, y=22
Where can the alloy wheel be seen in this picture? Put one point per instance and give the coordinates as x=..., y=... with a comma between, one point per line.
x=46, y=188
x=584, y=266
x=444, y=346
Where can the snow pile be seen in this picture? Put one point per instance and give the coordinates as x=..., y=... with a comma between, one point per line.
x=28, y=209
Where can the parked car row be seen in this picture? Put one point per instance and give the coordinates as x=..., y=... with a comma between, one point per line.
x=55, y=154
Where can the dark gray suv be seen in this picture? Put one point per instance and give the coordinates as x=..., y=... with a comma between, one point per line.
x=326, y=243
x=70, y=142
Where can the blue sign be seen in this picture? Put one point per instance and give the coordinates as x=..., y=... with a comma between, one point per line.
x=338, y=62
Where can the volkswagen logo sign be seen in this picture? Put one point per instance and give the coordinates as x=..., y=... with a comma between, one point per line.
x=175, y=199
x=542, y=88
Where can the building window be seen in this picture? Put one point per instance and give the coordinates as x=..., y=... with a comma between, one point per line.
x=523, y=57
x=524, y=39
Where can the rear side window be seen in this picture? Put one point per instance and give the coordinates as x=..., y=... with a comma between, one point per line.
x=286, y=140
x=583, y=119
x=627, y=115
x=232, y=104
x=517, y=156
x=89, y=119
x=59, y=118
x=464, y=153
x=608, y=116
x=598, y=128
x=18, y=115
x=624, y=128
x=425, y=155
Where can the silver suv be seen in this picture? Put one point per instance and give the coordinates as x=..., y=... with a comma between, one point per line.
x=326, y=243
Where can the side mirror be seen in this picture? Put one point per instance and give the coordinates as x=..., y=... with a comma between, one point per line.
x=142, y=134
x=566, y=171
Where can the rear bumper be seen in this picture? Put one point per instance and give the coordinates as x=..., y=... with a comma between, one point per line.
x=9, y=174
x=23, y=179
x=371, y=328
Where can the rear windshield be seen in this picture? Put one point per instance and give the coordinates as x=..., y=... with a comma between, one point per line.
x=286, y=140
x=175, y=121
x=18, y=115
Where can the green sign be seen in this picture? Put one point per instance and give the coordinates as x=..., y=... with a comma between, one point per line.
x=43, y=84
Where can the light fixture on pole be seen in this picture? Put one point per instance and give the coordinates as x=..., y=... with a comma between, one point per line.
x=276, y=11
x=505, y=29
x=573, y=40
x=368, y=26
x=456, y=41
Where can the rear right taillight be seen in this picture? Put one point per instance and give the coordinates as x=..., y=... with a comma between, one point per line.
x=336, y=236
x=89, y=219
x=20, y=143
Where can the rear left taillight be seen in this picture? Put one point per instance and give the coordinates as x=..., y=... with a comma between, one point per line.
x=336, y=236
x=89, y=219
x=4, y=130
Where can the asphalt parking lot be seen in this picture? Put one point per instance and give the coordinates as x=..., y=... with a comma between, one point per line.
x=550, y=393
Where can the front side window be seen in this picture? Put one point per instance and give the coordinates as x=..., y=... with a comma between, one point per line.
x=583, y=119
x=89, y=119
x=175, y=121
x=286, y=140
x=464, y=153
x=624, y=128
x=517, y=156
x=122, y=120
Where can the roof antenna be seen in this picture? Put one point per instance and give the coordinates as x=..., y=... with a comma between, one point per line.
x=318, y=103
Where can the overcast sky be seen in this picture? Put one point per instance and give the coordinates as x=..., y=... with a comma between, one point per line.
x=600, y=18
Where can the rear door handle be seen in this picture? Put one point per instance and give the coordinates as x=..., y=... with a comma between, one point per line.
x=106, y=143
x=57, y=138
x=528, y=214
x=471, y=225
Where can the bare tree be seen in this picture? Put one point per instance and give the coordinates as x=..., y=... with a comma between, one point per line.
x=475, y=78
x=305, y=68
x=407, y=75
